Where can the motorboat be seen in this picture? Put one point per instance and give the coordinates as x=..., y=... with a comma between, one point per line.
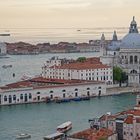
x=54, y=136
x=64, y=127
x=23, y=136
x=7, y=66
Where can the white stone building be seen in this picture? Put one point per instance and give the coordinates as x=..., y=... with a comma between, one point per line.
x=90, y=69
x=3, y=49
x=129, y=54
x=40, y=89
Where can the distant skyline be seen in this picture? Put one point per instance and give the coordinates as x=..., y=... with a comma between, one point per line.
x=68, y=13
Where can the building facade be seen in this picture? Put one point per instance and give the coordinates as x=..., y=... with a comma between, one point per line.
x=126, y=123
x=89, y=69
x=3, y=49
x=129, y=54
x=40, y=89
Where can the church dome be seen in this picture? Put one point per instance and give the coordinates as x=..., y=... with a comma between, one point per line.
x=132, y=39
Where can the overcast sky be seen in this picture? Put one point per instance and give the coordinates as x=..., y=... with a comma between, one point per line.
x=68, y=13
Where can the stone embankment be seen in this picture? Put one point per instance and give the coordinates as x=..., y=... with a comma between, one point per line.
x=121, y=90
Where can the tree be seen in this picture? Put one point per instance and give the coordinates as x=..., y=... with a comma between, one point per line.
x=81, y=59
x=119, y=75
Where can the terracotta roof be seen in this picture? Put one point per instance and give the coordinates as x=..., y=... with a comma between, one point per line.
x=92, y=134
x=81, y=66
x=129, y=120
x=40, y=82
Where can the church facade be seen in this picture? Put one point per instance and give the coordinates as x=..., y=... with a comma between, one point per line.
x=129, y=54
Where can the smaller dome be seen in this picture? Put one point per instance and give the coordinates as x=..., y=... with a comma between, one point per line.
x=131, y=40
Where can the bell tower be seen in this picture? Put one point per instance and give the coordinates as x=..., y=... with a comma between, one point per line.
x=103, y=45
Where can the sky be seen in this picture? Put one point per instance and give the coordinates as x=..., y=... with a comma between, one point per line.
x=68, y=13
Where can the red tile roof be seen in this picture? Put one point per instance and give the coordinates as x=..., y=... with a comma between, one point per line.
x=89, y=63
x=41, y=82
x=92, y=134
x=129, y=120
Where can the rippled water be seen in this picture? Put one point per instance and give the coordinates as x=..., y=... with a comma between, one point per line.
x=42, y=119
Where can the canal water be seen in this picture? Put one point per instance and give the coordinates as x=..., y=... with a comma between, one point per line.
x=42, y=119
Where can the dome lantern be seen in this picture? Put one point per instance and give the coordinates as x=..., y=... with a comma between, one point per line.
x=133, y=26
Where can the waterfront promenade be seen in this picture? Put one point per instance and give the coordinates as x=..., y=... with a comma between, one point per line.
x=120, y=90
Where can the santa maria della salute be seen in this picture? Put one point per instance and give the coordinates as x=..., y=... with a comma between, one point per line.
x=126, y=53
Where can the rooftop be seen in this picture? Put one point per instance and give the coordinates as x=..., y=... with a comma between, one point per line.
x=92, y=134
x=89, y=63
x=41, y=82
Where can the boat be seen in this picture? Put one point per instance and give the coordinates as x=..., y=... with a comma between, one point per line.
x=77, y=99
x=54, y=136
x=5, y=34
x=64, y=127
x=7, y=66
x=23, y=136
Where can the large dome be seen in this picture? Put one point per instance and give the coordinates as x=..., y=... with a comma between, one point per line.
x=131, y=40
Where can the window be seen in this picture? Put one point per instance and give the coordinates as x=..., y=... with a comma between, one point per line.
x=131, y=134
x=76, y=94
x=63, y=90
x=38, y=92
x=30, y=96
x=64, y=95
x=76, y=89
x=88, y=93
x=135, y=59
x=99, y=87
x=51, y=96
x=14, y=97
x=131, y=59
x=88, y=88
x=5, y=98
x=21, y=96
x=51, y=91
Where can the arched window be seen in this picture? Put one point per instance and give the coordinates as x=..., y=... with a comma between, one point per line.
x=21, y=96
x=64, y=95
x=76, y=89
x=14, y=97
x=63, y=90
x=5, y=98
x=131, y=59
x=51, y=96
x=136, y=59
x=76, y=94
x=30, y=96
x=133, y=72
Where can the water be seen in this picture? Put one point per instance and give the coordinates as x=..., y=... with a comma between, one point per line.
x=55, y=35
x=42, y=119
